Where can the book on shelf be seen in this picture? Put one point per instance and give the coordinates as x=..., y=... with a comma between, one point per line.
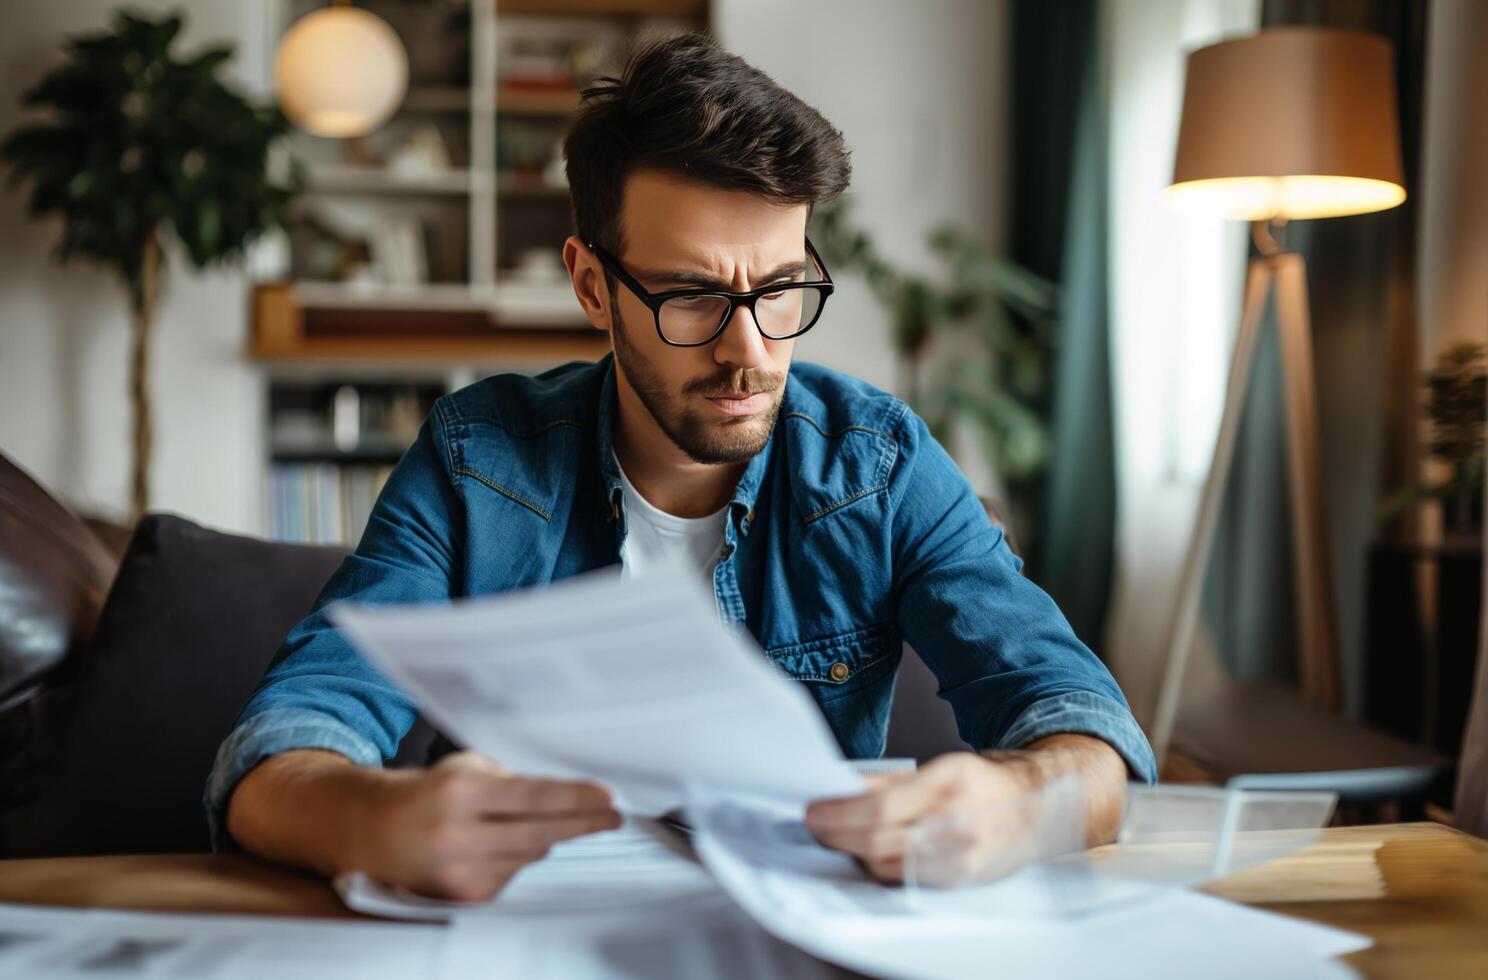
x=322, y=503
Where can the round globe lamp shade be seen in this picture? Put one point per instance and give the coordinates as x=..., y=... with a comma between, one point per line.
x=340, y=72
x=1294, y=122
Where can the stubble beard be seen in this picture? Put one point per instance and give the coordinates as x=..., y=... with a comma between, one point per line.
x=706, y=440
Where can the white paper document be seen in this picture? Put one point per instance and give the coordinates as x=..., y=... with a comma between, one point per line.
x=39, y=943
x=642, y=862
x=819, y=901
x=634, y=682
x=638, y=865
x=632, y=903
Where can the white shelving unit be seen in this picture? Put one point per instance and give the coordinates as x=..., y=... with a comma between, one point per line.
x=474, y=186
x=334, y=349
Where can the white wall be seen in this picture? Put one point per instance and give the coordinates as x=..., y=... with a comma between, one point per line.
x=1452, y=266
x=919, y=91
x=1175, y=283
x=64, y=409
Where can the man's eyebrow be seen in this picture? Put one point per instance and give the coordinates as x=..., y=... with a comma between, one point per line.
x=690, y=277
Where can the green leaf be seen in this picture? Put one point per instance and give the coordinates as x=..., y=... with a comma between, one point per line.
x=123, y=113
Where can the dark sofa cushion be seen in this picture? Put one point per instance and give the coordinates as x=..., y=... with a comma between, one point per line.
x=192, y=621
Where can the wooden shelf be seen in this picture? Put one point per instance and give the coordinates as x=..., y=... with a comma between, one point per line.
x=283, y=332
x=508, y=186
x=517, y=101
x=509, y=99
x=436, y=98
x=631, y=8
x=375, y=180
x=505, y=346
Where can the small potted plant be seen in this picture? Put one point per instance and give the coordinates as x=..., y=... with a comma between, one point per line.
x=142, y=147
x=1457, y=406
x=974, y=343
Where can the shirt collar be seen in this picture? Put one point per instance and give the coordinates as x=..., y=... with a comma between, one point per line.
x=745, y=491
x=609, y=408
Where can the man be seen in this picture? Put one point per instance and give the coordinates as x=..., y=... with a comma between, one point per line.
x=828, y=520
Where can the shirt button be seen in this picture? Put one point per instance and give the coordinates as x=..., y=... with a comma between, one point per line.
x=838, y=672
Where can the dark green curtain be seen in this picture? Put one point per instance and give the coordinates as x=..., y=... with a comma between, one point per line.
x=1058, y=229
x=1361, y=285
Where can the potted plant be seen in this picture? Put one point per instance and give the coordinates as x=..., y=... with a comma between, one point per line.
x=142, y=147
x=1457, y=407
x=974, y=346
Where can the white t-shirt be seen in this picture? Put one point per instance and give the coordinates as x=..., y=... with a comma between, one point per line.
x=655, y=538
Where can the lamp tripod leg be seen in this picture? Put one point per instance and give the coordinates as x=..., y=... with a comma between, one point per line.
x=1191, y=580
x=1317, y=650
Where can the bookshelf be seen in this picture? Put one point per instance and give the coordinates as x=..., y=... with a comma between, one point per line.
x=332, y=445
x=426, y=254
x=458, y=204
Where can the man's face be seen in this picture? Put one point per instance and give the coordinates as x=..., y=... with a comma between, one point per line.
x=717, y=403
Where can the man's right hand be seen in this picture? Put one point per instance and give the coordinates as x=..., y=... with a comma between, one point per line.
x=462, y=828
x=458, y=830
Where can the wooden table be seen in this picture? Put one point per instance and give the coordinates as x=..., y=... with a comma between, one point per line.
x=1419, y=890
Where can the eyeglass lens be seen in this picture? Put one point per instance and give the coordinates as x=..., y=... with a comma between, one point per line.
x=693, y=319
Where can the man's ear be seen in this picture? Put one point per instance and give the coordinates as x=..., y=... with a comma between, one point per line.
x=588, y=282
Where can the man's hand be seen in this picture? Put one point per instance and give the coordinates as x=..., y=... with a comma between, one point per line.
x=464, y=827
x=458, y=830
x=875, y=827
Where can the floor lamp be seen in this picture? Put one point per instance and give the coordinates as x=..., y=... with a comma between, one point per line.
x=1290, y=123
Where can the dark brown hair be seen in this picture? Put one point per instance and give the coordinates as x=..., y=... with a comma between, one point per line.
x=686, y=106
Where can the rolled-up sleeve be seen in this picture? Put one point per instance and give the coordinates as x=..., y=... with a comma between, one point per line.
x=1084, y=713
x=1006, y=658
x=319, y=693
x=268, y=733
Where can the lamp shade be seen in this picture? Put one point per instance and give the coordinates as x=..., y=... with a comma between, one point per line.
x=1294, y=122
x=340, y=72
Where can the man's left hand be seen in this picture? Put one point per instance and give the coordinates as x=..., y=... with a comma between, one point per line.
x=874, y=827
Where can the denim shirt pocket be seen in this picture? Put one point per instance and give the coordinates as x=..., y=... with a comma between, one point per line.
x=844, y=665
x=850, y=676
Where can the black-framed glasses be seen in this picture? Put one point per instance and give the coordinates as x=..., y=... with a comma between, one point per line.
x=695, y=317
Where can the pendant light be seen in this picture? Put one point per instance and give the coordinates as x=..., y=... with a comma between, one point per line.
x=340, y=72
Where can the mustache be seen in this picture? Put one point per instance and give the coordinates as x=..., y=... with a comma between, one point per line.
x=734, y=385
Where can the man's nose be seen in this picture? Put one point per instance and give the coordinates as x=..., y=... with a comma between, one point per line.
x=741, y=343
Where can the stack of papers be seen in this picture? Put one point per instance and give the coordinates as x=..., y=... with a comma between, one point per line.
x=627, y=903
x=636, y=683
x=818, y=901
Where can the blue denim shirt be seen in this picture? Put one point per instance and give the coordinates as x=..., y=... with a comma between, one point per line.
x=851, y=532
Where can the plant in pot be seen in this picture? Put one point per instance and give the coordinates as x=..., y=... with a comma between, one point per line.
x=974, y=345
x=141, y=146
x=1457, y=409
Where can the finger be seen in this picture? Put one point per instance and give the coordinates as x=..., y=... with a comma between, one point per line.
x=535, y=837
x=871, y=844
x=895, y=803
x=890, y=870
x=468, y=881
x=517, y=795
x=473, y=761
